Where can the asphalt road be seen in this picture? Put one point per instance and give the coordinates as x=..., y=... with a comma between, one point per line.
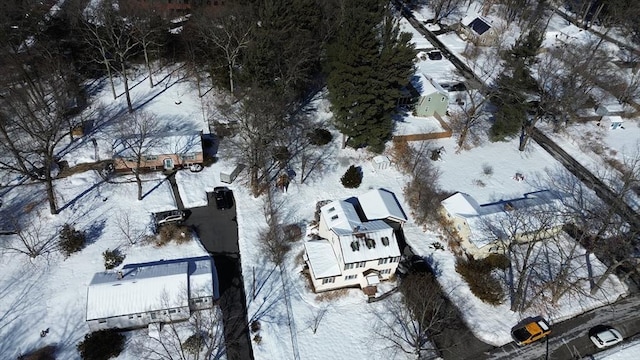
x=569, y=339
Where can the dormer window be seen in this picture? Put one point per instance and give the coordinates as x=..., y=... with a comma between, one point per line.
x=370, y=243
x=334, y=217
x=385, y=241
x=355, y=245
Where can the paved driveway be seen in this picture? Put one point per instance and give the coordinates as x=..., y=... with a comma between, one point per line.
x=218, y=232
x=217, y=229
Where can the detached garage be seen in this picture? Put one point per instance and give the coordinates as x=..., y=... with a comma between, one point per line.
x=157, y=292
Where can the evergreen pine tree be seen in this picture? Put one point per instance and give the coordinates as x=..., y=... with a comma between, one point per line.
x=369, y=61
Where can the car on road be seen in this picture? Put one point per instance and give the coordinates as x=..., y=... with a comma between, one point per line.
x=530, y=330
x=224, y=197
x=604, y=336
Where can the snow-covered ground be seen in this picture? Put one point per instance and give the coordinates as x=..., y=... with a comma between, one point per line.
x=50, y=291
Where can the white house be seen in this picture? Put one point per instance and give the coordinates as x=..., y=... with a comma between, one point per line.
x=432, y=98
x=351, y=251
x=157, y=292
x=488, y=228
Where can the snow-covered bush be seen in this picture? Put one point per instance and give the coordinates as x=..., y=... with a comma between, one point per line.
x=112, y=258
x=71, y=240
x=352, y=178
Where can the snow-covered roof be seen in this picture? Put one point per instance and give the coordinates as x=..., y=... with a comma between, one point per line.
x=494, y=215
x=322, y=259
x=160, y=144
x=613, y=119
x=381, y=204
x=342, y=218
x=148, y=287
x=461, y=204
x=425, y=86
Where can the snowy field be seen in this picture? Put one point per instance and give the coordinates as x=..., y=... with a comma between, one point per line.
x=50, y=291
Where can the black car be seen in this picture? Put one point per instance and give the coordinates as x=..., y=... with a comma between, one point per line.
x=224, y=197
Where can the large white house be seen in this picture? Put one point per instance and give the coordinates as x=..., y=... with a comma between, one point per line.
x=158, y=292
x=489, y=228
x=353, y=250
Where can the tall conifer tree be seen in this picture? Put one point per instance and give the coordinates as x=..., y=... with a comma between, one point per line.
x=369, y=61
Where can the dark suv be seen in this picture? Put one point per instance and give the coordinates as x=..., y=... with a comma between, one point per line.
x=224, y=197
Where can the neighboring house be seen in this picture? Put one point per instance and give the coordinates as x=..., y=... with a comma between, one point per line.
x=159, y=152
x=352, y=251
x=489, y=228
x=610, y=109
x=478, y=29
x=432, y=98
x=157, y=292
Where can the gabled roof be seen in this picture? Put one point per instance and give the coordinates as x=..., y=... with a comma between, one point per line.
x=493, y=215
x=461, y=204
x=159, y=144
x=149, y=287
x=342, y=219
x=478, y=25
x=425, y=85
x=322, y=259
x=379, y=204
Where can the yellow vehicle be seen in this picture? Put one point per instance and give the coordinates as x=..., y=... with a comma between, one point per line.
x=530, y=330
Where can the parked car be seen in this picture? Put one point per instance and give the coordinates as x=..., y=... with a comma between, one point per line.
x=435, y=55
x=604, y=336
x=174, y=216
x=530, y=330
x=224, y=197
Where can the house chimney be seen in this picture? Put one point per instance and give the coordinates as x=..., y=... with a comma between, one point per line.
x=119, y=275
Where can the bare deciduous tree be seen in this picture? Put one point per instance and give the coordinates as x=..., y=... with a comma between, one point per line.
x=111, y=36
x=466, y=116
x=225, y=34
x=407, y=324
x=138, y=133
x=32, y=239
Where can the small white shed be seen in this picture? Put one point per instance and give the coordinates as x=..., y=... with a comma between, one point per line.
x=380, y=162
x=612, y=122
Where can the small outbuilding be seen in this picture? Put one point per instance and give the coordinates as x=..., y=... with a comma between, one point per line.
x=380, y=162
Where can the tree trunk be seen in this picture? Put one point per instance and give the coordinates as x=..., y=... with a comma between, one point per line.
x=14, y=150
x=126, y=86
x=51, y=196
x=463, y=138
x=110, y=75
x=231, y=78
x=147, y=64
x=139, y=183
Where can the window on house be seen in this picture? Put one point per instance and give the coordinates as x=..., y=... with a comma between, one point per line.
x=361, y=264
x=328, y=280
x=102, y=321
x=151, y=157
x=351, y=277
x=385, y=271
x=348, y=266
x=172, y=311
x=334, y=217
x=383, y=261
x=396, y=259
x=130, y=316
x=153, y=315
x=385, y=241
x=332, y=209
x=188, y=157
x=443, y=98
